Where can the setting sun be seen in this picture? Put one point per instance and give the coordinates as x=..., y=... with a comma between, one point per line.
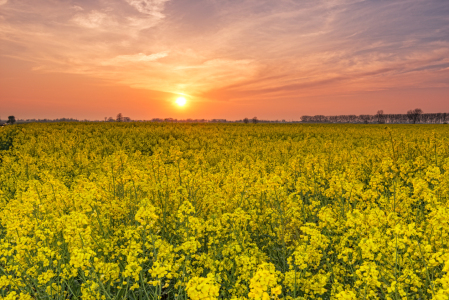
x=181, y=101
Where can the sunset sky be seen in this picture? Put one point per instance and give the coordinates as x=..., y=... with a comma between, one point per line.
x=275, y=59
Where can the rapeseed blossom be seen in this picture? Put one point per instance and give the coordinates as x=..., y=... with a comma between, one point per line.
x=264, y=284
x=229, y=211
x=200, y=288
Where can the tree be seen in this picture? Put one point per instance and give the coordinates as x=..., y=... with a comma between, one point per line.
x=255, y=120
x=364, y=118
x=245, y=120
x=414, y=115
x=380, y=117
x=352, y=118
x=11, y=120
x=119, y=117
x=306, y=118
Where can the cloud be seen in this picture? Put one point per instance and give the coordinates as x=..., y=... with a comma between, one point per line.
x=93, y=19
x=150, y=7
x=235, y=50
x=135, y=58
x=3, y=2
x=77, y=8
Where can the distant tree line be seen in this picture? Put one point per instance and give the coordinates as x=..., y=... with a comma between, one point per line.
x=255, y=120
x=51, y=120
x=119, y=118
x=412, y=116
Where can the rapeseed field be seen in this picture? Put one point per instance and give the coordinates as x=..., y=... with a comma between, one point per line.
x=224, y=211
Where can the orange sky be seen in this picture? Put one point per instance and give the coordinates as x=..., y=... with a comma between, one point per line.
x=277, y=59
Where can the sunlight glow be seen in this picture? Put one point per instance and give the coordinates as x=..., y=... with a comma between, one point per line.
x=181, y=101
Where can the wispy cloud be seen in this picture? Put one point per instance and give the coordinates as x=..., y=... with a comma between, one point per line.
x=150, y=7
x=93, y=19
x=135, y=58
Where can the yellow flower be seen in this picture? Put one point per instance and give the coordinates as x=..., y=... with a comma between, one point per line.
x=199, y=288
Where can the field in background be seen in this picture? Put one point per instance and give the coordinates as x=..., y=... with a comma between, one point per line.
x=232, y=211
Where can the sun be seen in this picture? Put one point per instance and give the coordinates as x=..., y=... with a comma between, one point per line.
x=181, y=101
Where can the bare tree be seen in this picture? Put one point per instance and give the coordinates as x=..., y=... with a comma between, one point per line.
x=414, y=115
x=320, y=119
x=305, y=118
x=119, y=117
x=255, y=120
x=245, y=120
x=364, y=118
x=352, y=118
x=380, y=117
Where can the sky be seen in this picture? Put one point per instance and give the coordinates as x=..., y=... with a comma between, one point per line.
x=274, y=59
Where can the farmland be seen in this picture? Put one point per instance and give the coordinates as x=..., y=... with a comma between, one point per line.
x=229, y=211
